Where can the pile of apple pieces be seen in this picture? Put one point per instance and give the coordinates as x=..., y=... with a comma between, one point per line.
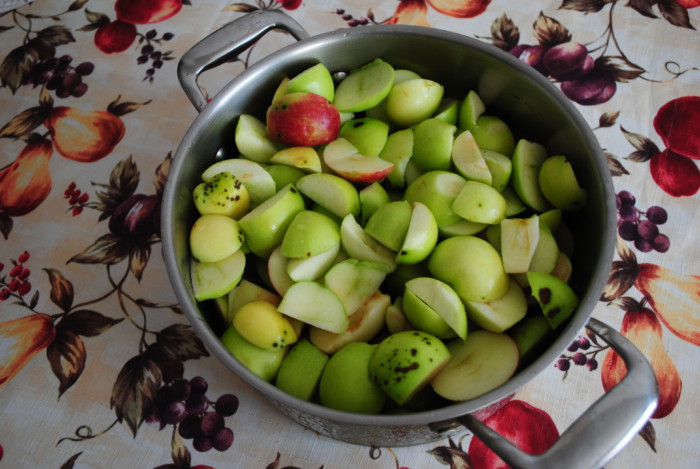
x=366, y=226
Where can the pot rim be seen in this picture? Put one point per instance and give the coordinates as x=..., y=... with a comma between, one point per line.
x=456, y=409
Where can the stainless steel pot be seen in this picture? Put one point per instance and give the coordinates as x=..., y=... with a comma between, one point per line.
x=527, y=101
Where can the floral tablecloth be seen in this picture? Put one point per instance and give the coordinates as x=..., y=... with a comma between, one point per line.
x=91, y=337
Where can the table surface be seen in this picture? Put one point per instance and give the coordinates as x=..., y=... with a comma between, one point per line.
x=89, y=325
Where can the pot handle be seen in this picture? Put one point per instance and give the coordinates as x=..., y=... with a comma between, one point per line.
x=603, y=430
x=229, y=42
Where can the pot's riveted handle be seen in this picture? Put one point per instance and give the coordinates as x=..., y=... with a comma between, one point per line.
x=229, y=42
x=603, y=430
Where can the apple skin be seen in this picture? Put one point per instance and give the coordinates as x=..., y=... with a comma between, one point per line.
x=303, y=119
x=264, y=363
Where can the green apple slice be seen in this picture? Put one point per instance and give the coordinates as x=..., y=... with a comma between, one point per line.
x=261, y=324
x=502, y=313
x=519, y=238
x=281, y=90
x=448, y=111
x=488, y=359
x=421, y=236
x=480, y=203
x=405, y=362
x=468, y=159
x=514, y=205
x=252, y=140
x=300, y=371
x=389, y=223
x=308, y=234
x=215, y=237
x=500, y=167
x=559, y=186
x=263, y=363
x=331, y=192
x=214, y=279
x=437, y=190
x=472, y=107
x=361, y=246
x=304, y=158
x=552, y=218
x=259, y=183
x=365, y=87
x=556, y=298
x=314, y=267
x=395, y=319
x=426, y=295
x=527, y=160
x=371, y=198
x=546, y=253
x=283, y=174
x=432, y=144
x=462, y=228
x=316, y=305
x=562, y=268
x=413, y=101
x=403, y=74
x=492, y=133
x=364, y=324
x=354, y=281
x=530, y=334
x=277, y=271
x=266, y=224
x=345, y=384
x=368, y=135
x=316, y=79
x=398, y=150
x=246, y=292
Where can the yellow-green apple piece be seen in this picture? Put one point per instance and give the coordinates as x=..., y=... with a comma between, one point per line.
x=361, y=246
x=214, y=279
x=315, y=79
x=364, y=324
x=433, y=144
x=500, y=167
x=304, y=158
x=519, y=238
x=527, y=159
x=334, y=193
x=277, y=271
x=261, y=324
x=252, y=141
x=448, y=111
x=502, y=313
x=372, y=197
x=559, y=185
x=492, y=133
x=530, y=334
x=493, y=236
x=357, y=167
x=403, y=74
x=223, y=194
x=314, y=267
x=389, y=224
x=437, y=190
x=471, y=108
x=354, y=281
x=281, y=90
x=300, y=371
x=398, y=150
x=468, y=159
x=546, y=253
x=220, y=305
x=471, y=266
x=552, y=218
x=310, y=233
x=395, y=319
x=480, y=203
x=266, y=224
x=462, y=228
x=421, y=236
x=367, y=134
x=283, y=174
x=259, y=182
x=413, y=101
x=215, y=237
x=514, y=205
x=261, y=362
x=364, y=87
x=345, y=384
x=405, y=362
x=412, y=172
x=324, y=211
x=246, y=292
x=555, y=297
x=482, y=363
x=426, y=295
x=563, y=268
x=316, y=305
x=396, y=281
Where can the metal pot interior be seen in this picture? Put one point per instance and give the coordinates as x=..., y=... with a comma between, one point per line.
x=534, y=108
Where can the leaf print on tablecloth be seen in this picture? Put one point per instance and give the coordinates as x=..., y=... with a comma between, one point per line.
x=453, y=455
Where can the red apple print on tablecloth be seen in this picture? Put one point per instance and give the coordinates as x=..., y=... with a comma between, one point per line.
x=115, y=36
x=459, y=8
x=529, y=428
x=146, y=12
x=412, y=12
x=290, y=4
x=26, y=182
x=678, y=124
x=675, y=174
x=23, y=338
x=688, y=3
x=137, y=217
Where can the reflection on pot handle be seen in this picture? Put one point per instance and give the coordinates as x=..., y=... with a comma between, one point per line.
x=227, y=43
x=603, y=430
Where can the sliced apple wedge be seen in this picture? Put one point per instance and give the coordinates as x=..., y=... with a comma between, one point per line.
x=359, y=168
x=359, y=245
x=371, y=198
x=277, y=271
x=519, y=238
x=246, y=292
x=480, y=364
x=310, y=233
x=304, y=158
x=252, y=140
x=389, y=223
x=395, y=319
x=468, y=159
x=259, y=183
x=421, y=236
x=214, y=279
x=331, y=192
x=398, y=150
x=433, y=306
x=314, y=267
x=502, y=313
x=354, y=281
x=316, y=305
